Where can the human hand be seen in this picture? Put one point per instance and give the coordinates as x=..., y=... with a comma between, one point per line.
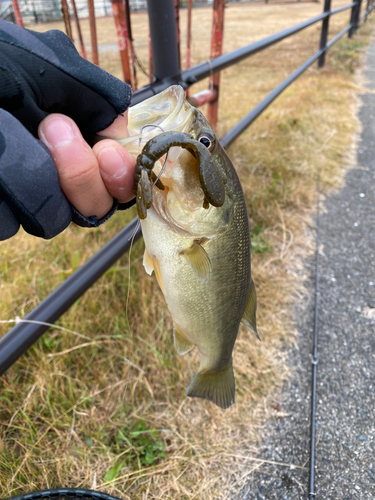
x=42, y=75
x=90, y=177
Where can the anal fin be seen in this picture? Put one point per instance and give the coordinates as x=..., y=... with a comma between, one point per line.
x=182, y=344
x=249, y=316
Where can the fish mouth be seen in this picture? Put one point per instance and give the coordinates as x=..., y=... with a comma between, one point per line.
x=165, y=111
x=180, y=204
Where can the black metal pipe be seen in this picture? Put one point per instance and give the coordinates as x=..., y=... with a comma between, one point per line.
x=364, y=15
x=353, y=19
x=203, y=70
x=207, y=68
x=337, y=37
x=259, y=108
x=367, y=11
x=324, y=34
x=255, y=112
x=24, y=334
x=161, y=14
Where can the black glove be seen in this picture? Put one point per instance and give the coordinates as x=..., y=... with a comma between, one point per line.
x=42, y=73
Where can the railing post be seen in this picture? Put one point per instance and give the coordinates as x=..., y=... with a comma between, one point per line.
x=118, y=9
x=83, y=51
x=324, y=34
x=66, y=16
x=131, y=45
x=216, y=50
x=367, y=8
x=188, y=43
x=177, y=15
x=354, y=18
x=358, y=13
x=94, y=39
x=17, y=13
x=162, y=19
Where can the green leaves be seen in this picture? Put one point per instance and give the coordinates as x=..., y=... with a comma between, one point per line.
x=114, y=472
x=139, y=447
x=258, y=243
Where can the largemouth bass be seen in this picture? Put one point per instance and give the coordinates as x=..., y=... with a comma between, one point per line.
x=196, y=231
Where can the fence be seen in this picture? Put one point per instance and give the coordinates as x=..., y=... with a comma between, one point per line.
x=40, y=11
x=167, y=72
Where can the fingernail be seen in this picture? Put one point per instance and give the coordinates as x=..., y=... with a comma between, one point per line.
x=112, y=164
x=57, y=132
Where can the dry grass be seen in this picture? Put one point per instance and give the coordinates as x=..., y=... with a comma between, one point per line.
x=102, y=404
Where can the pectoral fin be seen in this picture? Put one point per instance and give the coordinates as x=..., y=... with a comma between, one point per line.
x=182, y=344
x=199, y=260
x=158, y=274
x=147, y=263
x=249, y=317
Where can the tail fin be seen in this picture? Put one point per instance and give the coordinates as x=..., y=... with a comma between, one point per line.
x=216, y=386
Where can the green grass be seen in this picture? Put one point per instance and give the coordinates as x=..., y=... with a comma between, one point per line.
x=100, y=399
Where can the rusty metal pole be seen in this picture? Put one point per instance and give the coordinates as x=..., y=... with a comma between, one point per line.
x=150, y=59
x=177, y=15
x=188, y=44
x=83, y=52
x=122, y=38
x=216, y=50
x=17, y=13
x=66, y=16
x=94, y=39
x=131, y=46
x=202, y=97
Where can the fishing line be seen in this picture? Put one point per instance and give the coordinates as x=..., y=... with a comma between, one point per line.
x=138, y=222
x=132, y=238
x=140, y=65
x=314, y=357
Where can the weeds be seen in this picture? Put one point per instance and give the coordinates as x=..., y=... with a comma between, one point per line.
x=102, y=401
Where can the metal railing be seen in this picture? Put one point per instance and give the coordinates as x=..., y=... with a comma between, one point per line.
x=28, y=330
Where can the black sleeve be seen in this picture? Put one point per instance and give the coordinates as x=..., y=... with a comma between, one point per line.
x=42, y=73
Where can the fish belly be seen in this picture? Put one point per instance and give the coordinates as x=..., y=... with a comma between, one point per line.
x=207, y=312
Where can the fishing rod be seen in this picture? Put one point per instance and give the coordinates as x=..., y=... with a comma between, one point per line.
x=314, y=358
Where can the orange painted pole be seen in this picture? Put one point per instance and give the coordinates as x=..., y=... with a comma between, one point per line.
x=188, y=45
x=216, y=50
x=123, y=40
x=83, y=52
x=17, y=13
x=66, y=17
x=94, y=39
x=131, y=46
x=150, y=59
x=177, y=15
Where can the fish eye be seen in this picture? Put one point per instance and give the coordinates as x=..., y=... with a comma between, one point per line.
x=207, y=140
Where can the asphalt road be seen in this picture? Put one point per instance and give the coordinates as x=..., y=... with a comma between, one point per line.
x=345, y=450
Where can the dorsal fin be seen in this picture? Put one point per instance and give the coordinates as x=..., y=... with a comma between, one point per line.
x=249, y=316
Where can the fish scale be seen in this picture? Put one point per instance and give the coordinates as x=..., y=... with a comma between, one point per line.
x=197, y=238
